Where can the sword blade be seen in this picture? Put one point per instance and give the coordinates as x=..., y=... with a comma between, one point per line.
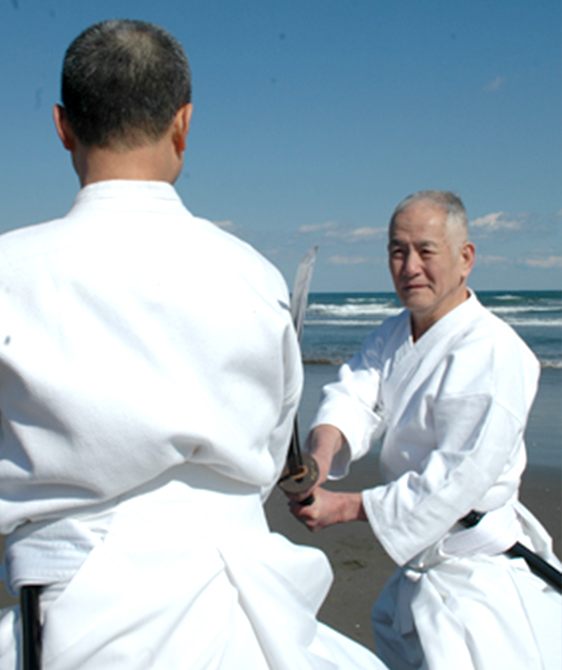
x=299, y=296
x=295, y=461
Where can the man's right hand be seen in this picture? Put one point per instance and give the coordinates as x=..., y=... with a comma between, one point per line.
x=322, y=443
x=328, y=508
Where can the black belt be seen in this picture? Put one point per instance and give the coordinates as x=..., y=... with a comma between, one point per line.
x=538, y=565
x=31, y=626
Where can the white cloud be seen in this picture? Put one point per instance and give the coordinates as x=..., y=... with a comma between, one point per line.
x=224, y=224
x=545, y=263
x=491, y=260
x=365, y=233
x=494, y=85
x=494, y=221
x=269, y=253
x=343, y=231
x=317, y=227
x=347, y=260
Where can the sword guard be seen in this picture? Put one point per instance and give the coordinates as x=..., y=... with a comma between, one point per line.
x=299, y=478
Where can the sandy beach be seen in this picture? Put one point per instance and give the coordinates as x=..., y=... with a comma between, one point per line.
x=361, y=567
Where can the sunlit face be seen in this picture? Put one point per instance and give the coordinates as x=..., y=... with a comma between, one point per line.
x=428, y=265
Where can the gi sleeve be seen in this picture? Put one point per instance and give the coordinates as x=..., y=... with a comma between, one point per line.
x=351, y=405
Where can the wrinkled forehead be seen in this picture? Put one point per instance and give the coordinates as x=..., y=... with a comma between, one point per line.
x=421, y=221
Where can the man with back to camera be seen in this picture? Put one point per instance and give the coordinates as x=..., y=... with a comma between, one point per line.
x=149, y=376
x=450, y=387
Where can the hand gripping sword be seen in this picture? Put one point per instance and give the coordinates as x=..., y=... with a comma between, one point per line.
x=301, y=470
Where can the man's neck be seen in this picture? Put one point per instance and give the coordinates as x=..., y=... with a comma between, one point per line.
x=159, y=160
x=146, y=163
x=420, y=323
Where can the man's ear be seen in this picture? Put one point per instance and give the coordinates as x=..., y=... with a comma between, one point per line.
x=181, y=124
x=467, y=254
x=64, y=131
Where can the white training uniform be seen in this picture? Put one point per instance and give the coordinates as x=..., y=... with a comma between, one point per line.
x=149, y=376
x=453, y=407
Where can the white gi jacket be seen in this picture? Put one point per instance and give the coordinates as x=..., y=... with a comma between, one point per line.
x=453, y=407
x=149, y=375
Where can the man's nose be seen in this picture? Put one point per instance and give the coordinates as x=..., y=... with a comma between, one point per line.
x=411, y=264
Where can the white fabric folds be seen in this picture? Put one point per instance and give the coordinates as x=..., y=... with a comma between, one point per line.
x=469, y=613
x=461, y=600
x=223, y=592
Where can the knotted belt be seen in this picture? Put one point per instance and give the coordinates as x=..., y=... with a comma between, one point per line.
x=537, y=565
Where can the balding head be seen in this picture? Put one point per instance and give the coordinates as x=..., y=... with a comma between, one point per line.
x=451, y=204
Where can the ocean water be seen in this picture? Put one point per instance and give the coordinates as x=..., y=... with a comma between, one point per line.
x=337, y=323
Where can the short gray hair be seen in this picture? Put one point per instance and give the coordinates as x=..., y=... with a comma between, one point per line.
x=449, y=202
x=123, y=82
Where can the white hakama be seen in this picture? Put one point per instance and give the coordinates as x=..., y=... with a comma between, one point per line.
x=192, y=578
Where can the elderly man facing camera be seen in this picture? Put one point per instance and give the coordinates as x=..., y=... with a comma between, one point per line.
x=449, y=386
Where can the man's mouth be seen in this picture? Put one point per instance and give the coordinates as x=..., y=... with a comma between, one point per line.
x=413, y=287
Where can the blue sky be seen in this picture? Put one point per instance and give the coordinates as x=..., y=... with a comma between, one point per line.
x=314, y=118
